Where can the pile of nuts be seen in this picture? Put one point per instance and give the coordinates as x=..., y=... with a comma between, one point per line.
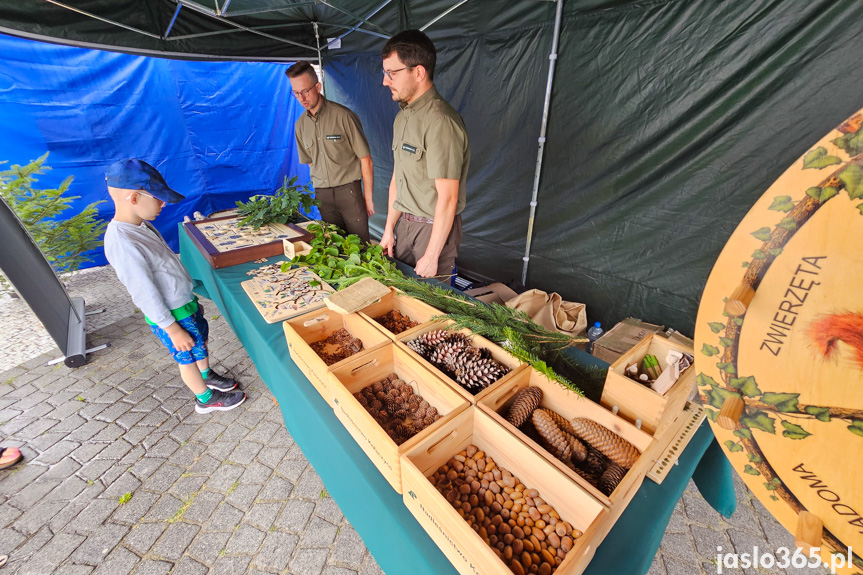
x=339, y=345
x=396, y=322
x=524, y=531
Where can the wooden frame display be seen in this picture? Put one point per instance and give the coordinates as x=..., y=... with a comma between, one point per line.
x=223, y=243
x=282, y=295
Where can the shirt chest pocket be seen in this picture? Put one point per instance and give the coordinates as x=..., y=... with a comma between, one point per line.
x=410, y=152
x=308, y=142
x=338, y=148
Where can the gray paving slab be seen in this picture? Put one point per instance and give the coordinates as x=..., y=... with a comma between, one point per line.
x=122, y=476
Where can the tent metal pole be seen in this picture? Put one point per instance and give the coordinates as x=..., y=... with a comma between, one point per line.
x=320, y=61
x=357, y=27
x=251, y=11
x=224, y=10
x=107, y=21
x=173, y=19
x=234, y=31
x=442, y=14
x=352, y=15
x=552, y=59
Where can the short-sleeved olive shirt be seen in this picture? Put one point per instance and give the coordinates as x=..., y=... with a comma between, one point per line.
x=429, y=142
x=332, y=142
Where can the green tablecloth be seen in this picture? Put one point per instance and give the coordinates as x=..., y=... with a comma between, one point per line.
x=390, y=532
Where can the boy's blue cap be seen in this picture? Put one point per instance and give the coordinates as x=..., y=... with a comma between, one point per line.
x=139, y=175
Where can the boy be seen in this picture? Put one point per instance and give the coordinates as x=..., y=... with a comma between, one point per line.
x=159, y=284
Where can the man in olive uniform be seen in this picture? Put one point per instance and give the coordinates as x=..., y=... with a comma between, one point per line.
x=330, y=138
x=431, y=157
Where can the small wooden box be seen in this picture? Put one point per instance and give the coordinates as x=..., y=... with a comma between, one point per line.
x=415, y=309
x=364, y=369
x=315, y=326
x=496, y=404
x=222, y=255
x=656, y=412
x=497, y=352
x=468, y=553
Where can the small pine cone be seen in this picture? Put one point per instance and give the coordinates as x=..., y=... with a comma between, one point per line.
x=400, y=414
x=398, y=382
x=419, y=424
x=414, y=402
x=420, y=347
x=392, y=377
x=579, y=451
x=410, y=428
x=420, y=412
x=377, y=386
x=380, y=396
x=407, y=393
x=368, y=392
x=522, y=407
x=611, y=478
x=376, y=404
x=392, y=407
x=383, y=414
x=595, y=463
x=431, y=411
x=424, y=404
x=432, y=338
x=552, y=436
x=393, y=392
x=428, y=420
x=438, y=416
x=364, y=401
x=609, y=443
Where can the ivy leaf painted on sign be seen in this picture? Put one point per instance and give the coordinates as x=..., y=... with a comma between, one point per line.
x=716, y=326
x=775, y=252
x=787, y=224
x=763, y=234
x=783, y=402
x=774, y=498
x=754, y=458
x=822, y=194
x=852, y=177
x=728, y=368
x=747, y=386
x=782, y=204
x=702, y=380
x=711, y=414
x=709, y=350
x=851, y=143
x=818, y=159
x=746, y=264
x=820, y=413
x=856, y=428
x=732, y=446
x=726, y=341
x=737, y=320
x=759, y=255
x=751, y=470
x=743, y=432
x=716, y=396
x=860, y=208
x=759, y=420
x=794, y=431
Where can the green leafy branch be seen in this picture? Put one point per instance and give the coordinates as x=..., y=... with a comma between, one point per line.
x=282, y=207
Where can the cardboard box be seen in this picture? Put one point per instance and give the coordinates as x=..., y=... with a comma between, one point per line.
x=492, y=293
x=621, y=338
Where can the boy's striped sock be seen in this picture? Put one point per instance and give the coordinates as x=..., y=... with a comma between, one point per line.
x=205, y=373
x=204, y=397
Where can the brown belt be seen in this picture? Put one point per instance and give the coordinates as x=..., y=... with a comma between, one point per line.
x=413, y=218
x=337, y=188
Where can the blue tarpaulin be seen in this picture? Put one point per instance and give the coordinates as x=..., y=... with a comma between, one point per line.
x=218, y=131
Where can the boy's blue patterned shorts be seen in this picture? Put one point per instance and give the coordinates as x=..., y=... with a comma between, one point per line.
x=198, y=328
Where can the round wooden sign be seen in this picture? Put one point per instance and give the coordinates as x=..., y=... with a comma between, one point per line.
x=780, y=327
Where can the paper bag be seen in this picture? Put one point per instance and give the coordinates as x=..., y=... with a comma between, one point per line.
x=551, y=311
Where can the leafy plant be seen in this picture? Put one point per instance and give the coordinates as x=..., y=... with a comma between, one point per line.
x=65, y=242
x=282, y=207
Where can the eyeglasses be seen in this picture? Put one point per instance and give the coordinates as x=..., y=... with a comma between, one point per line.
x=140, y=193
x=389, y=73
x=305, y=92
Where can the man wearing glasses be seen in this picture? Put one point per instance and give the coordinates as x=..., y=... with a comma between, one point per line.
x=330, y=139
x=431, y=157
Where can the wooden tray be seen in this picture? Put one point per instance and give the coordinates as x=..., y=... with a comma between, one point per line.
x=212, y=237
x=497, y=353
x=636, y=401
x=367, y=367
x=315, y=326
x=281, y=296
x=496, y=404
x=468, y=553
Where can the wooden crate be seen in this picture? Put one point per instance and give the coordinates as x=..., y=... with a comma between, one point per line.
x=364, y=369
x=415, y=309
x=496, y=404
x=468, y=553
x=315, y=326
x=635, y=401
x=497, y=353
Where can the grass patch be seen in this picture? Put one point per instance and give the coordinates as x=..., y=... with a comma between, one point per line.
x=125, y=498
x=79, y=398
x=324, y=493
x=232, y=487
x=183, y=508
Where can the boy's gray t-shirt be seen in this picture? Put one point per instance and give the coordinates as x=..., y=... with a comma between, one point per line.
x=152, y=273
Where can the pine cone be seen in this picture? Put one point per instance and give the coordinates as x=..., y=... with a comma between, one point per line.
x=446, y=352
x=419, y=413
x=552, y=436
x=589, y=475
x=432, y=338
x=376, y=405
x=579, y=451
x=609, y=443
x=391, y=405
x=420, y=347
x=479, y=374
x=432, y=411
x=561, y=421
x=364, y=400
x=611, y=478
x=466, y=354
x=368, y=393
x=376, y=386
x=528, y=429
x=400, y=414
x=429, y=419
x=595, y=463
x=522, y=407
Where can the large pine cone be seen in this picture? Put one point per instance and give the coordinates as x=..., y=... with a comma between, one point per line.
x=561, y=421
x=609, y=443
x=579, y=451
x=528, y=429
x=446, y=352
x=590, y=475
x=479, y=374
x=522, y=407
x=421, y=348
x=552, y=436
x=611, y=478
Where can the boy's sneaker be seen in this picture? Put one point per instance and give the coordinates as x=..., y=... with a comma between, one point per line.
x=219, y=382
x=221, y=401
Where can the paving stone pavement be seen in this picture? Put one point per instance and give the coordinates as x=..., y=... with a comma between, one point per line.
x=123, y=477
